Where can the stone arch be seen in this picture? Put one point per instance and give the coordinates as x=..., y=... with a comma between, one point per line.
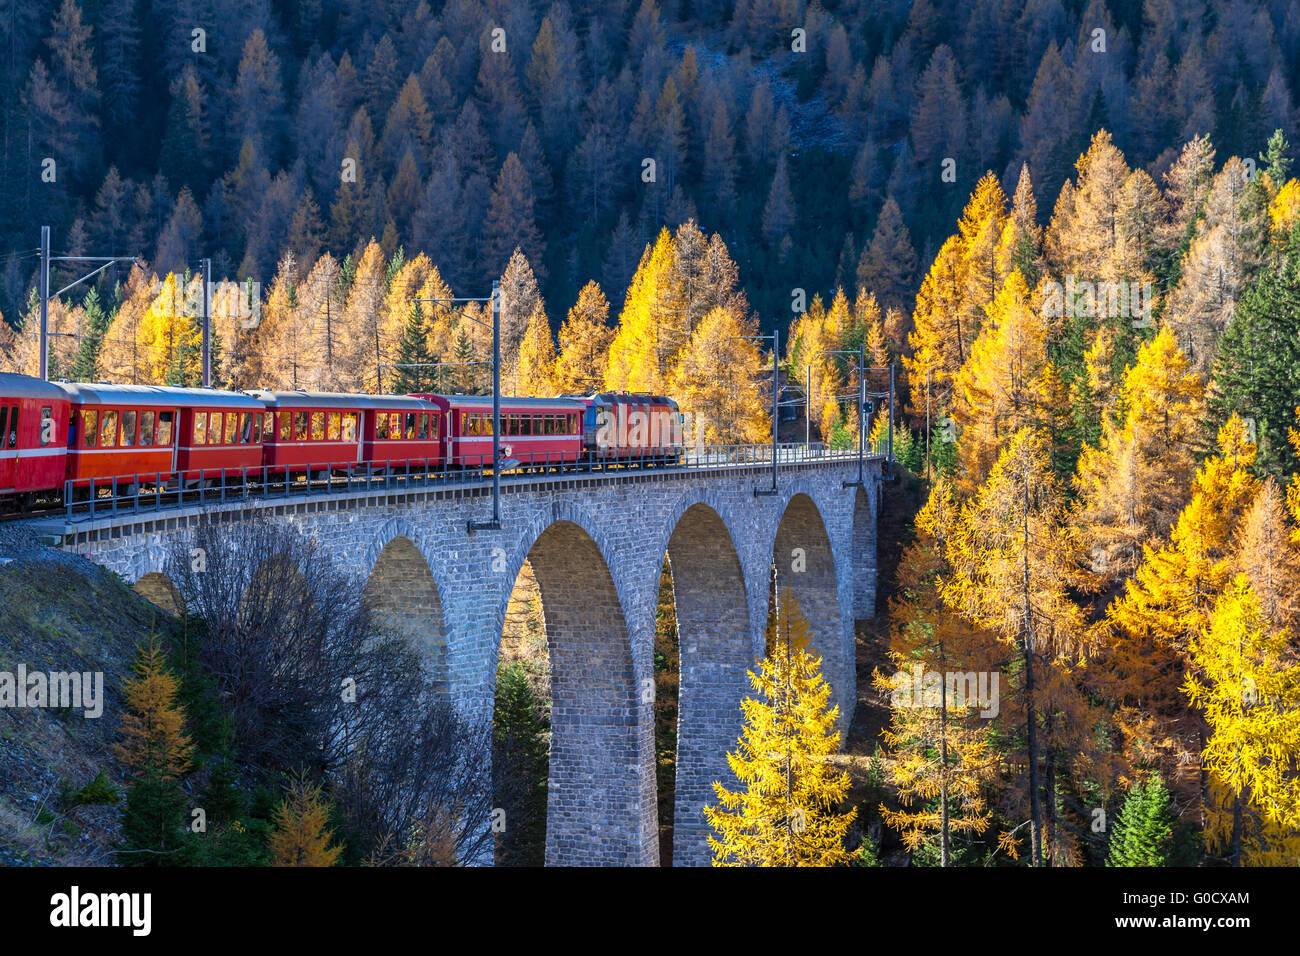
x=805, y=562
x=715, y=652
x=403, y=599
x=600, y=800
x=864, y=555
x=159, y=590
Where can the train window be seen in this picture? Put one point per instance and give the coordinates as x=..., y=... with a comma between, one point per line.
x=381, y=426
x=13, y=426
x=317, y=426
x=108, y=430
x=164, y=428
x=4, y=419
x=146, y=429
x=89, y=427
x=257, y=429
x=268, y=426
x=410, y=426
x=424, y=427
x=215, y=420
x=46, y=435
x=350, y=427
x=539, y=424
x=200, y=428
x=232, y=427
x=334, y=427
x=128, y=428
x=286, y=427
x=299, y=426
x=433, y=429
x=245, y=428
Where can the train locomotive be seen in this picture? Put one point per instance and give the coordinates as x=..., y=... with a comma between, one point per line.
x=60, y=438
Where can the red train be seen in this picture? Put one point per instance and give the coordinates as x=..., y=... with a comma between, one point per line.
x=135, y=435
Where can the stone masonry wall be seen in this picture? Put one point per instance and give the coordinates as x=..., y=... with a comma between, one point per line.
x=597, y=545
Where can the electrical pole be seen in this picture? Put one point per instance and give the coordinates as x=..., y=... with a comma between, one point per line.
x=495, y=523
x=45, y=295
x=807, y=408
x=45, y=303
x=891, y=419
x=495, y=299
x=776, y=400
x=206, y=265
x=862, y=403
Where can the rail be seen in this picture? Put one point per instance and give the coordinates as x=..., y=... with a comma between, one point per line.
x=156, y=491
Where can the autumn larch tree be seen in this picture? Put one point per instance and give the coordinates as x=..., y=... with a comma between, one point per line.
x=1013, y=567
x=1133, y=486
x=941, y=756
x=1167, y=603
x=156, y=752
x=584, y=344
x=787, y=813
x=715, y=381
x=302, y=836
x=1247, y=683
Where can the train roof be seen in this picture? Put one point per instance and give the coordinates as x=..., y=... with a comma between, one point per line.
x=13, y=385
x=83, y=393
x=338, y=400
x=485, y=401
x=634, y=397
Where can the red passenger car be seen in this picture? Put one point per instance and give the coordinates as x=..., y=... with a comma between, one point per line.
x=33, y=439
x=534, y=431
x=159, y=432
x=402, y=432
x=333, y=432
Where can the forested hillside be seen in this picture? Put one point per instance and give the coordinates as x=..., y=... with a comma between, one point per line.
x=255, y=131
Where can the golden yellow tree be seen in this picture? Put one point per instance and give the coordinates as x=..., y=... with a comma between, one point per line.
x=939, y=754
x=535, y=371
x=302, y=836
x=939, y=342
x=153, y=728
x=1144, y=658
x=1005, y=385
x=787, y=812
x=651, y=327
x=1134, y=485
x=716, y=381
x=122, y=357
x=1012, y=556
x=271, y=359
x=954, y=297
x=1247, y=683
x=585, y=338
x=364, y=350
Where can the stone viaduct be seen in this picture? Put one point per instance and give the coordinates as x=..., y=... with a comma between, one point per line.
x=596, y=544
